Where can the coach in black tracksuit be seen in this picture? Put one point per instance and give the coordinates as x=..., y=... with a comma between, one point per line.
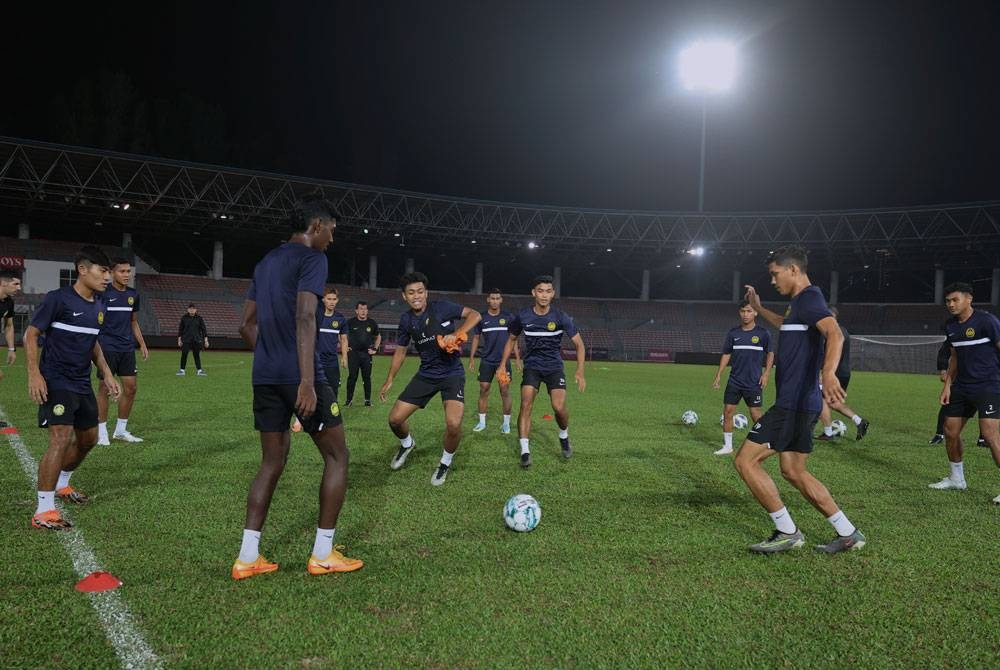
x=363, y=341
x=191, y=335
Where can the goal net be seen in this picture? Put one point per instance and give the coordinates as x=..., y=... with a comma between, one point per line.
x=895, y=353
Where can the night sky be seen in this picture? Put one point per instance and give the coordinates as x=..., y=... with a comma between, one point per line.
x=838, y=104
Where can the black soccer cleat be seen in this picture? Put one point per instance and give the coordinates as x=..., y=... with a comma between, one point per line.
x=567, y=450
x=981, y=442
x=862, y=429
x=526, y=459
x=937, y=439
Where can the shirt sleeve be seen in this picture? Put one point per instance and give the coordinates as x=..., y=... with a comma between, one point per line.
x=403, y=338
x=312, y=274
x=727, y=344
x=813, y=308
x=252, y=291
x=450, y=311
x=202, y=328
x=135, y=303
x=46, y=311
x=569, y=328
x=375, y=331
x=768, y=342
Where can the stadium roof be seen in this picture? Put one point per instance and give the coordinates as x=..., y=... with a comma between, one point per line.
x=75, y=186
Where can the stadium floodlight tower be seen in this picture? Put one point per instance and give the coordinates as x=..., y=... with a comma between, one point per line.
x=707, y=67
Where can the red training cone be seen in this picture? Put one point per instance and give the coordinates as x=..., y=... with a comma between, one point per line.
x=547, y=417
x=99, y=581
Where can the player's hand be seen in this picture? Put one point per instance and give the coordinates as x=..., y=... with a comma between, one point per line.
x=833, y=392
x=145, y=352
x=946, y=395
x=581, y=383
x=763, y=382
x=343, y=363
x=472, y=365
x=305, y=400
x=11, y=357
x=503, y=377
x=111, y=386
x=38, y=390
x=384, y=390
x=179, y=343
x=752, y=297
x=452, y=342
x=715, y=383
x=206, y=343
x=520, y=365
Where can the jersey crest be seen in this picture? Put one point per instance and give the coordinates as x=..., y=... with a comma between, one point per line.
x=755, y=339
x=100, y=318
x=970, y=332
x=131, y=300
x=551, y=325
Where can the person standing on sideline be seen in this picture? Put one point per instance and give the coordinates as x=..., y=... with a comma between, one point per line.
x=543, y=326
x=748, y=348
x=331, y=338
x=844, y=377
x=432, y=326
x=10, y=284
x=71, y=319
x=972, y=383
x=786, y=428
x=493, y=331
x=191, y=335
x=363, y=342
x=118, y=338
x=279, y=324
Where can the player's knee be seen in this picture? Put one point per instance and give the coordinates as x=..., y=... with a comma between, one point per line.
x=795, y=477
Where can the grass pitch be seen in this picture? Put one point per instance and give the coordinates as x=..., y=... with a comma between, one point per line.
x=640, y=559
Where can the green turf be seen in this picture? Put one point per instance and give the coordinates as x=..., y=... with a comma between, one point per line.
x=640, y=559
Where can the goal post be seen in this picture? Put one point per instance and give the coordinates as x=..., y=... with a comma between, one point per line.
x=895, y=353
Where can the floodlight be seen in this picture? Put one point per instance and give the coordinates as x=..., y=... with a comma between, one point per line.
x=532, y=245
x=708, y=66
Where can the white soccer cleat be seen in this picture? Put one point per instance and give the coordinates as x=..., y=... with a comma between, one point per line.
x=996, y=500
x=723, y=451
x=201, y=373
x=181, y=373
x=505, y=428
x=948, y=484
x=479, y=427
x=103, y=441
x=126, y=436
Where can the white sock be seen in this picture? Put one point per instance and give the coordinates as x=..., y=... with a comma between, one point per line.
x=324, y=542
x=102, y=431
x=524, y=445
x=563, y=433
x=506, y=419
x=406, y=442
x=957, y=471
x=64, y=476
x=46, y=501
x=828, y=430
x=446, y=458
x=783, y=521
x=856, y=419
x=727, y=440
x=250, y=549
x=120, y=427
x=841, y=524
x=482, y=418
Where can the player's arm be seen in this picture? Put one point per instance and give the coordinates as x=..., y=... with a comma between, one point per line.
x=772, y=318
x=37, y=388
x=768, y=364
x=473, y=348
x=833, y=393
x=343, y=350
x=138, y=338
x=248, y=324
x=110, y=383
x=203, y=329
x=949, y=377
x=378, y=341
x=305, y=347
x=398, y=356
x=517, y=354
x=581, y=355
x=723, y=362
x=508, y=346
x=180, y=333
x=9, y=334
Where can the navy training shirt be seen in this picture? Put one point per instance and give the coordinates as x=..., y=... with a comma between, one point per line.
x=279, y=277
x=328, y=330
x=116, y=334
x=70, y=325
x=975, y=342
x=440, y=317
x=543, y=337
x=800, y=353
x=748, y=350
x=493, y=336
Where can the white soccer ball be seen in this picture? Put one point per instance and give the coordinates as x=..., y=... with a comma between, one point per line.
x=740, y=421
x=522, y=513
x=839, y=428
x=689, y=417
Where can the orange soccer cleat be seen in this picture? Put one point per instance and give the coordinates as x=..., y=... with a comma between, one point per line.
x=261, y=566
x=52, y=520
x=335, y=562
x=70, y=494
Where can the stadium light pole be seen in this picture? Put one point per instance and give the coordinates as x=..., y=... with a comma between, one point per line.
x=707, y=67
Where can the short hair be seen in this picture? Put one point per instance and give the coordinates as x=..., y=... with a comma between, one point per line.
x=744, y=303
x=413, y=278
x=791, y=254
x=330, y=289
x=542, y=279
x=120, y=260
x=309, y=207
x=494, y=290
x=958, y=287
x=91, y=255
x=190, y=305
x=360, y=303
x=9, y=274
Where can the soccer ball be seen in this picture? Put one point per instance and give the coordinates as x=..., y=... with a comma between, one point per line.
x=740, y=421
x=522, y=513
x=839, y=428
x=690, y=417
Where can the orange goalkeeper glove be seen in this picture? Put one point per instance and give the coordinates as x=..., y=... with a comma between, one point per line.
x=454, y=346
x=503, y=377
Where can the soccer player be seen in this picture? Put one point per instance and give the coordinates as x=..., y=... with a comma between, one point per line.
x=10, y=284
x=748, y=348
x=70, y=318
x=493, y=331
x=786, y=428
x=331, y=339
x=363, y=342
x=972, y=383
x=943, y=359
x=191, y=335
x=543, y=326
x=432, y=326
x=118, y=345
x=279, y=324
x=844, y=377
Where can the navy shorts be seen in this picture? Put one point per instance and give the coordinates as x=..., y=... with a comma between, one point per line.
x=122, y=363
x=487, y=371
x=552, y=380
x=785, y=430
x=965, y=404
x=421, y=389
x=752, y=397
x=66, y=408
x=274, y=404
